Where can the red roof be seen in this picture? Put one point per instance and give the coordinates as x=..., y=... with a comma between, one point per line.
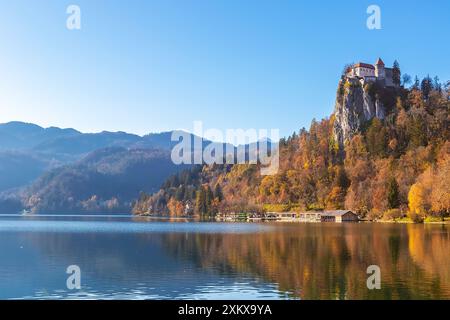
x=380, y=62
x=364, y=65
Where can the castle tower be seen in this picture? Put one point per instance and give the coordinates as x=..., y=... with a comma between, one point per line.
x=380, y=73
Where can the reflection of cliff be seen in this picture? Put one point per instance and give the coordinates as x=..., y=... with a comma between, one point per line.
x=328, y=262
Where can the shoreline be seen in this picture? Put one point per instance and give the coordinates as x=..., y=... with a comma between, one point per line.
x=259, y=220
x=445, y=221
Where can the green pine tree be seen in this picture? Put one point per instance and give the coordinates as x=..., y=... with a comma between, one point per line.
x=200, y=202
x=396, y=73
x=218, y=194
x=209, y=197
x=393, y=194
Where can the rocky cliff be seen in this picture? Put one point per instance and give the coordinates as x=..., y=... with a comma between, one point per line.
x=355, y=105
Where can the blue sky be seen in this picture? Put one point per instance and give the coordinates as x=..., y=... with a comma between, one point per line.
x=150, y=66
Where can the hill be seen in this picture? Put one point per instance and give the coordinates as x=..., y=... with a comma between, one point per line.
x=64, y=171
x=384, y=153
x=19, y=135
x=106, y=180
x=59, y=170
x=27, y=150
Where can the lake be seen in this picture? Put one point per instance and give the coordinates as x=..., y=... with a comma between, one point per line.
x=123, y=257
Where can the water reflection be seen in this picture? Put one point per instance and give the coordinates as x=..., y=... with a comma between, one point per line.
x=317, y=261
x=230, y=261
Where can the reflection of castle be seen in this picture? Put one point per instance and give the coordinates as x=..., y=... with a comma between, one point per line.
x=372, y=73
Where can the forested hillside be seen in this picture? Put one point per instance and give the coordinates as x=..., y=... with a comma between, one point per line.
x=107, y=180
x=389, y=167
x=27, y=150
x=53, y=170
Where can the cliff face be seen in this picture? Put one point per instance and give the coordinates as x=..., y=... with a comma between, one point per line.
x=354, y=106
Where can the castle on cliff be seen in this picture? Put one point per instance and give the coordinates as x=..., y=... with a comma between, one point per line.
x=354, y=104
x=371, y=73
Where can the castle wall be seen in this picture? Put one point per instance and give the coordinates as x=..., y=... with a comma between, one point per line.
x=380, y=72
x=388, y=80
x=364, y=72
x=372, y=73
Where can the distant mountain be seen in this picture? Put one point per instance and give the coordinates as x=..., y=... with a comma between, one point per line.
x=55, y=170
x=8, y=141
x=28, y=150
x=20, y=135
x=21, y=161
x=106, y=180
x=161, y=140
x=87, y=142
x=18, y=168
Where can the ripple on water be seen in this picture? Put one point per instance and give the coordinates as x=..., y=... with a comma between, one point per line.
x=129, y=226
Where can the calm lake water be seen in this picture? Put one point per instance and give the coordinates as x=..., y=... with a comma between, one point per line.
x=122, y=257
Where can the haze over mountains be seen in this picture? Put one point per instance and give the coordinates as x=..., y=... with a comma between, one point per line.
x=47, y=167
x=56, y=170
x=27, y=150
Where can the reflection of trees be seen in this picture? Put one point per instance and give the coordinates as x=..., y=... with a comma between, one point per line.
x=431, y=250
x=329, y=261
x=310, y=261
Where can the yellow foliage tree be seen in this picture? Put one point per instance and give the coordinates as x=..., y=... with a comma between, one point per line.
x=440, y=194
x=417, y=201
x=336, y=198
x=175, y=207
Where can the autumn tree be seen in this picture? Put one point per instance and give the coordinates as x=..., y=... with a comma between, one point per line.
x=176, y=208
x=336, y=197
x=417, y=202
x=440, y=194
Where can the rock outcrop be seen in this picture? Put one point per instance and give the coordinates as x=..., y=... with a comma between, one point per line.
x=355, y=105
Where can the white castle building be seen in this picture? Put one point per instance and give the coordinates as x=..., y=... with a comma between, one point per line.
x=371, y=73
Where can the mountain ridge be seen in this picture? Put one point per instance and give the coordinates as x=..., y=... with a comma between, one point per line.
x=69, y=158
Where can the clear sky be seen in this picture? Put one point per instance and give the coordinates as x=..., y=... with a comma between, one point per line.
x=150, y=66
